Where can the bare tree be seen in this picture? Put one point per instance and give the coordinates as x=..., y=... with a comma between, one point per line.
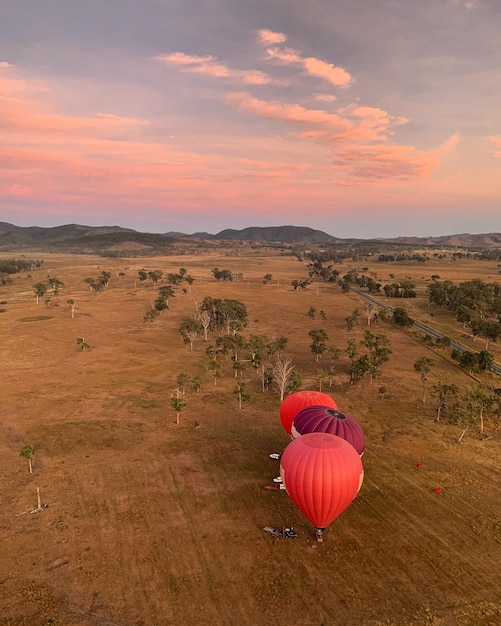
x=369, y=313
x=282, y=371
x=205, y=318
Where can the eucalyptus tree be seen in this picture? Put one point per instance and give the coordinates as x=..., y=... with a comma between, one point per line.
x=189, y=329
x=150, y=316
x=444, y=393
x=423, y=367
x=240, y=390
x=178, y=402
x=379, y=352
x=28, y=452
x=40, y=289
x=318, y=345
x=166, y=292
x=204, y=318
x=155, y=276
x=55, y=284
x=351, y=320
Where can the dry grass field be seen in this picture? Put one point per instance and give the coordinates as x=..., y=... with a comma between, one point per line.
x=151, y=523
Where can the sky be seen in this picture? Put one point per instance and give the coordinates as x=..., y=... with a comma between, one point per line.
x=361, y=118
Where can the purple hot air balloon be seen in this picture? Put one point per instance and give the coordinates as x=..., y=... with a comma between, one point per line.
x=325, y=419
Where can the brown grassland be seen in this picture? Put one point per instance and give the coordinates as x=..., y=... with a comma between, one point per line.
x=153, y=523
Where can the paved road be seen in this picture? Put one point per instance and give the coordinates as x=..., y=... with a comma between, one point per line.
x=429, y=331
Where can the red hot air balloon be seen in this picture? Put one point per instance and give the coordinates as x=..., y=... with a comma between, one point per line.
x=323, y=419
x=298, y=400
x=322, y=474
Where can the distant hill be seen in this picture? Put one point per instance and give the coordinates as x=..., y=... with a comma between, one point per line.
x=114, y=240
x=77, y=238
x=464, y=240
x=288, y=234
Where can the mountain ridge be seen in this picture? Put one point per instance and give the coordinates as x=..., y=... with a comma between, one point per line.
x=82, y=238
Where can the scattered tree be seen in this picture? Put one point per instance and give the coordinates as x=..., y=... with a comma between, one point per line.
x=28, y=452
x=300, y=284
x=196, y=381
x=155, y=276
x=422, y=367
x=282, y=371
x=84, y=346
x=295, y=383
x=40, y=290
x=401, y=318
x=205, y=319
x=318, y=346
x=241, y=393
x=182, y=382
x=190, y=329
x=150, y=316
x=351, y=320
x=223, y=275
x=444, y=393
x=55, y=284
x=322, y=376
x=178, y=402
x=379, y=352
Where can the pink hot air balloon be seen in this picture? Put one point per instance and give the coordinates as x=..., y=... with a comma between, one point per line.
x=322, y=473
x=324, y=419
x=298, y=400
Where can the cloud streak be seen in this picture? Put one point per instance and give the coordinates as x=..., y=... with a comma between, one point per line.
x=311, y=65
x=210, y=66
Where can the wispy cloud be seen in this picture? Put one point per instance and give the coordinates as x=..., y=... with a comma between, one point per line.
x=270, y=38
x=324, y=97
x=357, y=138
x=211, y=66
x=315, y=67
x=469, y=5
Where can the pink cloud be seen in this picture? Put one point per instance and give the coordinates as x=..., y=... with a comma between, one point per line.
x=359, y=139
x=315, y=67
x=324, y=97
x=304, y=155
x=286, y=55
x=387, y=162
x=288, y=112
x=210, y=66
x=270, y=38
x=335, y=75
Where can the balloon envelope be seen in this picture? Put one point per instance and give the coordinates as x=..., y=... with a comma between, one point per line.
x=324, y=419
x=322, y=474
x=298, y=400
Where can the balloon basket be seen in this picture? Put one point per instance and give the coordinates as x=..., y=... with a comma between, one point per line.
x=319, y=534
